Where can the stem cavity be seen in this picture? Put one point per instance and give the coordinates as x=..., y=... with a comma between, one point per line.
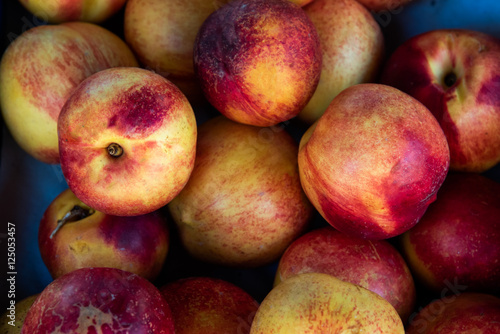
x=115, y=150
x=450, y=79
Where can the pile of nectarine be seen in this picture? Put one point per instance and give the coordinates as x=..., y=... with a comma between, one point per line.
x=257, y=136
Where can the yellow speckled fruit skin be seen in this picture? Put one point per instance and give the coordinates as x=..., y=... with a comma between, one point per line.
x=352, y=45
x=39, y=71
x=59, y=11
x=320, y=303
x=243, y=204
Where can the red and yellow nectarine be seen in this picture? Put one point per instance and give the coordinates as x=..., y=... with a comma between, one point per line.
x=127, y=140
x=258, y=61
x=374, y=161
x=243, y=204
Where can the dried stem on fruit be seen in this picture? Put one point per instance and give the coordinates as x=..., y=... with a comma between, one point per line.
x=75, y=214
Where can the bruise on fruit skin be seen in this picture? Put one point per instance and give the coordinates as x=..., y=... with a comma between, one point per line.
x=134, y=110
x=141, y=110
x=47, y=236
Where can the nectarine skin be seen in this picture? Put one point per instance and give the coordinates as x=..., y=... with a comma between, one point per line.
x=58, y=11
x=320, y=303
x=99, y=300
x=456, y=74
x=258, y=61
x=243, y=204
x=301, y=3
x=39, y=71
x=353, y=48
x=209, y=305
x=373, y=162
x=373, y=264
x=464, y=313
x=456, y=241
x=138, y=244
x=162, y=35
x=155, y=129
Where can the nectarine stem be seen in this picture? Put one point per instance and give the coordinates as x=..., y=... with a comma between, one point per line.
x=115, y=150
x=75, y=214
